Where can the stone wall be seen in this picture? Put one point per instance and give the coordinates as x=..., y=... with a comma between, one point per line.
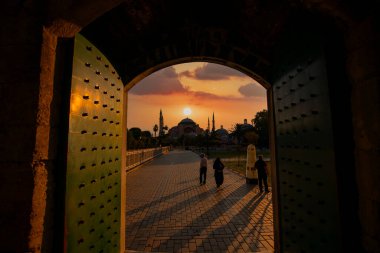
x=30, y=129
x=363, y=66
x=21, y=37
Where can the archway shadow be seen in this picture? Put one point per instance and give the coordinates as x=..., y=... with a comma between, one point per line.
x=200, y=225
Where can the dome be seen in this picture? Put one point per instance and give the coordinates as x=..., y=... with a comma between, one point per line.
x=186, y=121
x=221, y=131
x=247, y=127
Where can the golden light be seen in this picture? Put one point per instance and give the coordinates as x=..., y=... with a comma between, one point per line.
x=76, y=103
x=187, y=111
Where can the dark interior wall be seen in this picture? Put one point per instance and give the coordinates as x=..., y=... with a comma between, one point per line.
x=31, y=117
x=340, y=90
x=20, y=45
x=140, y=43
x=363, y=65
x=145, y=33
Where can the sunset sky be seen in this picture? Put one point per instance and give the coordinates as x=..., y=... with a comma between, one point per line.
x=199, y=87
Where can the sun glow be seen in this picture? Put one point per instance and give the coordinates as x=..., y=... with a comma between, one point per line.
x=187, y=111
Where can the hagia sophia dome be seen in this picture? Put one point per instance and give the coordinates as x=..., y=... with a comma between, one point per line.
x=187, y=127
x=187, y=121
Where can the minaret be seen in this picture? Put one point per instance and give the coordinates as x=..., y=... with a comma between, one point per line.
x=208, y=124
x=213, y=123
x=161, y=127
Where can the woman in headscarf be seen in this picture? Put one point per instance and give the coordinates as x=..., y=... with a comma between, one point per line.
x=218, y=172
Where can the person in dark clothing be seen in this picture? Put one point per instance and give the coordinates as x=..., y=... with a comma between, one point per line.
x=262, y=172
x=218, y=172
x=202, y=169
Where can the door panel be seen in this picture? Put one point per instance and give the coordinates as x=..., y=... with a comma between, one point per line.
x=306, y=174
x=92, y=209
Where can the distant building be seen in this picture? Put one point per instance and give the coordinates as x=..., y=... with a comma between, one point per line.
x=245, y=127
x=185, y=127
x=222, y=135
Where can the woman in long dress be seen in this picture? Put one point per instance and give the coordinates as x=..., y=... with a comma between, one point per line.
x=218, y=172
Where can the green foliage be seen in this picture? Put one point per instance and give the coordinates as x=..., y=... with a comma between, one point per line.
x=137, y=139
x=155, y=129
x=237, y=133
x=251, y=137
x=244, y=134
x=261, y=127
x=131, y=141
x=136, y=132
x=146, y=134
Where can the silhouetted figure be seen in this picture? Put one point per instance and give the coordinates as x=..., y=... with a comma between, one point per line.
x=262, y=172
x=218, y=172
x=203, y=169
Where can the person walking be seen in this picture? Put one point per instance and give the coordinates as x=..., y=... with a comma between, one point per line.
x=218, y=172
x=262, y=172
x=202, y=169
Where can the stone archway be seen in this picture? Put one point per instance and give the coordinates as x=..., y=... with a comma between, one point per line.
x=37, y=128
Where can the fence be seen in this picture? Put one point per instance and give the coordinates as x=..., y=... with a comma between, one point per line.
x=137, y=157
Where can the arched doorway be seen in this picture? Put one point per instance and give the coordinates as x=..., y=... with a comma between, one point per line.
x=94, y=190
x=254, y=63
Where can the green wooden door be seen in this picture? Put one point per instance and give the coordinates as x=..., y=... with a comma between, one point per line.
x=93, y=197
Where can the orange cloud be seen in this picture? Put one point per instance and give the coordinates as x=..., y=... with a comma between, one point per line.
x=165, y=81
x=252, y=90
x=211, y=71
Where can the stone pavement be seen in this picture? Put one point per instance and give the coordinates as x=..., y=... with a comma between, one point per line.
x=168, y=211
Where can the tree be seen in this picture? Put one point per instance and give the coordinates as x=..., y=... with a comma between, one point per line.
x=131, y=142
x=146, y=134
x=136, y=132
x=261, y=127
x=251, y=137
x=237, y=133
x=146, y=139
x=155, y=129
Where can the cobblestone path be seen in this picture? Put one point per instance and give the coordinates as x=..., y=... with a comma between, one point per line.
x=168, y=211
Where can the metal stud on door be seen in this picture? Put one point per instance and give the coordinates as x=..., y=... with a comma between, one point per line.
x=92, y=209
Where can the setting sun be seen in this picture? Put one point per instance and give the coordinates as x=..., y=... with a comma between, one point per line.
x=187, y=111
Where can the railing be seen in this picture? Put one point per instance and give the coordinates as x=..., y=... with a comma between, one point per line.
x=138, y=157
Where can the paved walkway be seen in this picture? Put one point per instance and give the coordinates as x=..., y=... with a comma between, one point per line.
x=167, y=210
